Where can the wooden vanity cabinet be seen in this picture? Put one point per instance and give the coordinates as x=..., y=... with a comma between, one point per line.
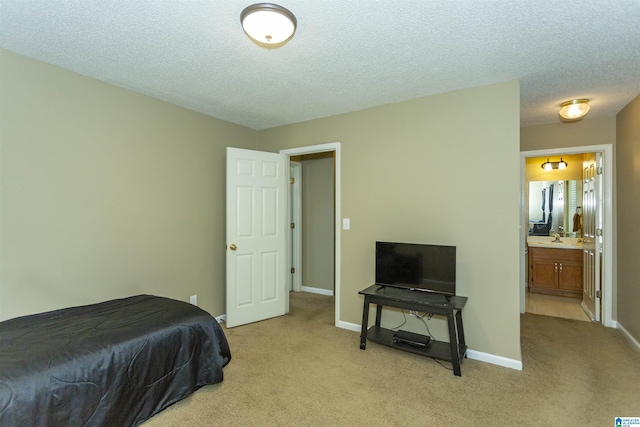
x=555, y=271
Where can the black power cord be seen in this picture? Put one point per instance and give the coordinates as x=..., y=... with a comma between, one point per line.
x=429, y=316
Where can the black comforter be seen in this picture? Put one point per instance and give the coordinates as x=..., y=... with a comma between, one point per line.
x=115, y=363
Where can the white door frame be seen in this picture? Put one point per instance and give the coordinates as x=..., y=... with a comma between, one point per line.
x=607, y=276
x=322, y=148
x=295, y=203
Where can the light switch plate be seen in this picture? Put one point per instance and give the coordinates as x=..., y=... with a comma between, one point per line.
x=346, y=223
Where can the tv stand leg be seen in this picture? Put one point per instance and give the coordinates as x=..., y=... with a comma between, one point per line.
x=460, y=332
x=453, y=343
x=365, y=324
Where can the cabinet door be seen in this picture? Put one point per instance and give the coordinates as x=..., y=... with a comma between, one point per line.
x=544, y=273
x=570, y=276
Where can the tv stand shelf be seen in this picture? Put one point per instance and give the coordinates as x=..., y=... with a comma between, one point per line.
x=454, y=351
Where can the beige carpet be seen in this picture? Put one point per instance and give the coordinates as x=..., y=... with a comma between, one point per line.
x=300, y=370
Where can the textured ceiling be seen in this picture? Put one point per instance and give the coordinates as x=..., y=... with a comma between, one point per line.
x=345, y=55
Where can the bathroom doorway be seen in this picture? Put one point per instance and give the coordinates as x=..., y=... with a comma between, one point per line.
x=602, y=226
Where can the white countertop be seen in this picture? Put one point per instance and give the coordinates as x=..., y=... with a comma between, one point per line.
x=548, y=242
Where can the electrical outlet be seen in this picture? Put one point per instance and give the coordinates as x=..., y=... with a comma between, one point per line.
x=193, y=299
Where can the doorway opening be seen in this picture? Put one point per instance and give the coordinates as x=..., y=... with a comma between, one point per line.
x=318, y=157
x=312, y=209
x=604, y=246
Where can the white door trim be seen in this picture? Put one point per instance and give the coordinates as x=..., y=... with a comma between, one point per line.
x=607, y=276
x=322, y=148
x=295, y=202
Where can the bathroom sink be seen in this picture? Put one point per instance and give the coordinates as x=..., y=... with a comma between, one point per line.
x=565, y=243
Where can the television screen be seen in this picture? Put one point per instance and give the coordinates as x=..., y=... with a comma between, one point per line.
x=430, y=268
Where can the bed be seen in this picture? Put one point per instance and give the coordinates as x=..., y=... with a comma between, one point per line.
x=115, y=363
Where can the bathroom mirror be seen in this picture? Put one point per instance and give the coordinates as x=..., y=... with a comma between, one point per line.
x=555, y=207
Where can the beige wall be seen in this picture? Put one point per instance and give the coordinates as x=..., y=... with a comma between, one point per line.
x=423, y=171
x=628, y=244
x=318, y=221
x=106, y=193
x=563, y=135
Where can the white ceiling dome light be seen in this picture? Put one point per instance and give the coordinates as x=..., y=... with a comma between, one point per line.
x=268, y=23
x=574, y=109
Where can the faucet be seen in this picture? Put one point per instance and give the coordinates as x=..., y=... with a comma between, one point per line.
x=557, y=239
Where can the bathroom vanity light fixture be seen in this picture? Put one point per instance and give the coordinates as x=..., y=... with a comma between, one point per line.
x=574, y=109
x=554, y=165
x=268, y=23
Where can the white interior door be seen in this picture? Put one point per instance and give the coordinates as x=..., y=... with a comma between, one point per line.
x=592, y=236
x=256, y=236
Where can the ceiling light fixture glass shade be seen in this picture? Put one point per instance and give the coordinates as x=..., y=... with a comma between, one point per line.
x=562, y=164
x=268, y=23
x=554, y=165
x=574, y=109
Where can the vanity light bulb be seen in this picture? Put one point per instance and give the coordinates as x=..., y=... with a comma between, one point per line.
x=562, y=165
x=548, y=166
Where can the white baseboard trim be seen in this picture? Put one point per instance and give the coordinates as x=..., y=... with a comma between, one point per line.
x=317, y=291
x=634, y=342
x=350, y=326
x=495, y=360
x=471, y=354
x=221, y=318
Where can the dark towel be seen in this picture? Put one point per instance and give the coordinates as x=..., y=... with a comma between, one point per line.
x=577, y=222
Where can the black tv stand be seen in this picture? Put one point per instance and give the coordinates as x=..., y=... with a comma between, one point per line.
x=451, y=306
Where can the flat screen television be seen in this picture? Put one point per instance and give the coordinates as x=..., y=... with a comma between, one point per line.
x=429, y=268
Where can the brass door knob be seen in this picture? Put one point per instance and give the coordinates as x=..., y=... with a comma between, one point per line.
x=233, y=247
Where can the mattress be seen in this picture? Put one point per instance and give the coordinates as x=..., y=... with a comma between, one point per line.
x=115, y=363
